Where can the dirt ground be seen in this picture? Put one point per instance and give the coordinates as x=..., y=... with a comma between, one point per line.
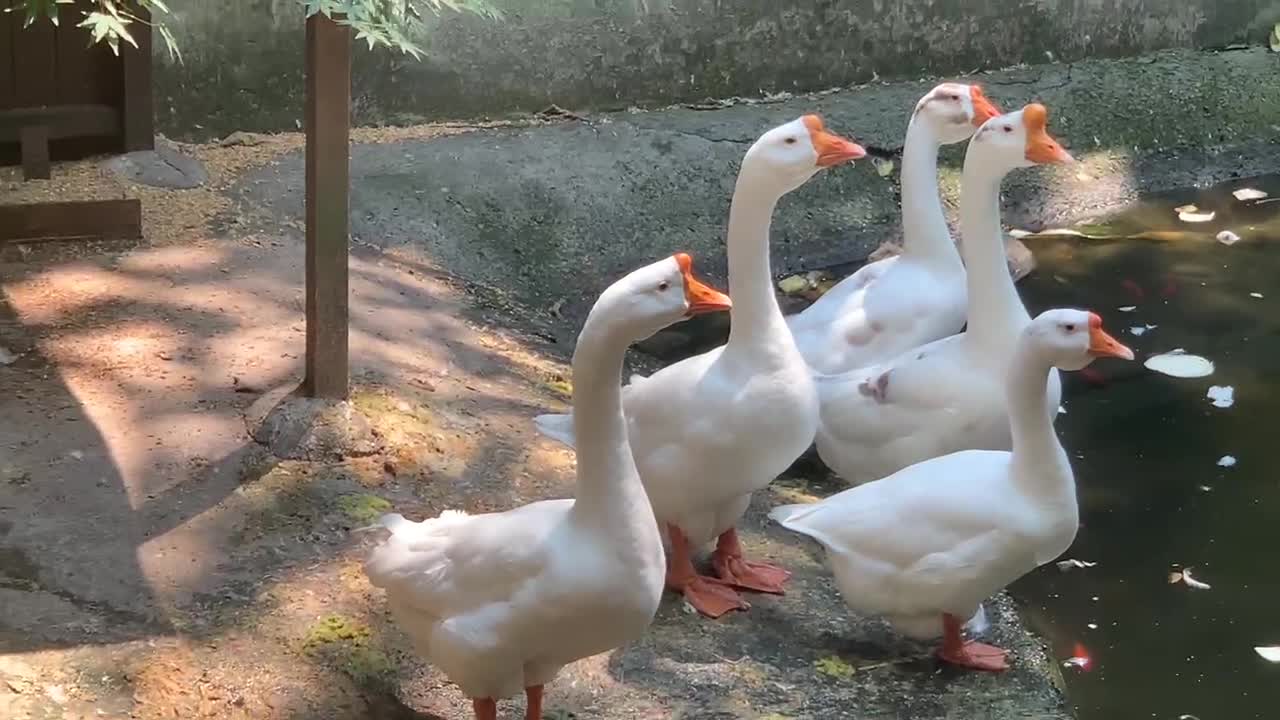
x=156, y=562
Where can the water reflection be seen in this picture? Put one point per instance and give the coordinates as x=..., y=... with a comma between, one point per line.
x=1146, y=449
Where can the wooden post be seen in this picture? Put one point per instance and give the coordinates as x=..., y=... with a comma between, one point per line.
x=328, y=126
x=138, y=113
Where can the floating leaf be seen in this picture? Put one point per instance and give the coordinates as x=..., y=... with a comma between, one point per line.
x=1255, y=295
x=1273, y=42
x=1142, y=329
x=1226, y=237
x=1270, y=653
x=1246, y=194
x=1071, y=564
x=1223, y=396
x=1179, y=363
x=1196, y=217
x=1019, y=234
x=1127, y=308
x=1184, y=576
x=1227, y=461
x=884, y=167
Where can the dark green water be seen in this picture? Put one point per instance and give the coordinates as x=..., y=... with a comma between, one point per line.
x=1146, y=447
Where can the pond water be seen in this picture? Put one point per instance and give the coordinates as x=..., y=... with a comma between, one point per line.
x=1146, y=449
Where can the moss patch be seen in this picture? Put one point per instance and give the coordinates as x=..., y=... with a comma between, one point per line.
x=833, y=666
x=344, y=644
x=362, y=508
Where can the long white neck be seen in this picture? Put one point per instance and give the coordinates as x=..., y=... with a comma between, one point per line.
x=755, y=318
x=1040, y=464
x=996, y=313
x=924, y=225
x=608, y=483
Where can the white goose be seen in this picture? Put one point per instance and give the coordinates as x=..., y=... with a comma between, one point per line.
x=892, y=305
x=926, y=545
x=500, y=602
x=710, y=430
x=947, y=395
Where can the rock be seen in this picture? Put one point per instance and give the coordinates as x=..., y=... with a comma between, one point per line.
x=164, y=167
x=241, y=137
x=297, y=427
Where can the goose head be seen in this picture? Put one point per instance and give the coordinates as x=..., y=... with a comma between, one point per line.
x=1017, y=139
x=657, y=295
x=954, y=111
x=786, y=157
x=1071, y=339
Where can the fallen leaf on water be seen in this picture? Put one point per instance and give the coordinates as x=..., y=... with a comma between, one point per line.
x=6, y=357
x=1269, y=653
x=1079, y=658
x=1019, y=234
x=1244, y=194
x=1128, y=308
x=834, y=667
x=1071, y=564
x=1226, y=237
x=1179, y=363
x=1223, y=396
x=1255, y=295
x=1227, y=461
x=1196, y=217
x=1141, y=329
x=1186, y=208
x=1184, y=576
x=1273, y=42
x=884, y=168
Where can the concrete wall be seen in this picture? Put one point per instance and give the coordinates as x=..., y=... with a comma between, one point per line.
x=243, y=66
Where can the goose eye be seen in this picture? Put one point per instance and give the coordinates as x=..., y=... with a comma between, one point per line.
x=790, y=141
x=663, y=286
x=1007, y=129
x=1069, y=327
x=953, y=97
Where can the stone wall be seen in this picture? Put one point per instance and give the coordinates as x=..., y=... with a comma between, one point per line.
x=243, y=58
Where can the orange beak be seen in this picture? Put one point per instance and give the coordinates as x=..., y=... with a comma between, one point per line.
x=983, y=108
x=831, y=148
x=1103, y=345
x=702, y=298
x=1041, y=147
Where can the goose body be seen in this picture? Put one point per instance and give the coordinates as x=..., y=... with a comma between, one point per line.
x=926, y=545
x=709, y=431
x=947, y=395
x=902, y=302
x=500, y=602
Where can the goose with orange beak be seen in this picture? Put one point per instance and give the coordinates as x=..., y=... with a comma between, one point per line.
x=709, y=431
x=500, y=602
x=901, y=302
x=927, y=545
x=947, y=395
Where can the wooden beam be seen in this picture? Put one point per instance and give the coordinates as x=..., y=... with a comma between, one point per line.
x=105, y=219
x=328, y=126
x=63, y=121
x=138, y=112
x=35, y=152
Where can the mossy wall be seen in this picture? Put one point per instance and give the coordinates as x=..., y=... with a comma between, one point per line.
x=244, y=58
